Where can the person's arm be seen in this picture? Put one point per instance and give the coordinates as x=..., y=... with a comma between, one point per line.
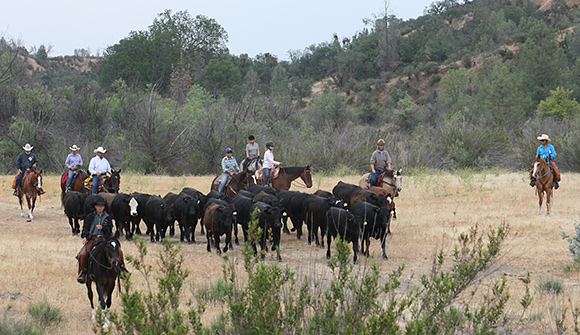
x=224, y=166
x=34, y=160
x=19, y=162
x=388, y=160
x=553, y=153
x=92, y=166
x=247, y=154
x=373, y=161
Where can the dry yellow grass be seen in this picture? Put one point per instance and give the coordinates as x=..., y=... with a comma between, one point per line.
x=37, y=258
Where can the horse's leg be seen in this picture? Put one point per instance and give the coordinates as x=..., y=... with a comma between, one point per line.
x=540, y=196
x=72, y=227
x=549, y=195
x=20, y=202
x=101, y=293
x=30, y=200
x=90, y=295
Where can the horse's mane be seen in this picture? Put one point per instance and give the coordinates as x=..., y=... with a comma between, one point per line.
x=293, y=169
x=389, y=173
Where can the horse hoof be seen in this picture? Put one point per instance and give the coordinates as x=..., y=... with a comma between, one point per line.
x=28, y=220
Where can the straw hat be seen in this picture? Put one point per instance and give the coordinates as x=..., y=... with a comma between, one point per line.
x=75, y=148
x=27, y=147
x=544, y=137
x=100, y=149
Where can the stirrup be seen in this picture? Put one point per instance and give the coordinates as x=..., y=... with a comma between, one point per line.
x=82, y=278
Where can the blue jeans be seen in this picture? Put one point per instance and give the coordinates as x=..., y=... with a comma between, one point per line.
x=70, y=176
x=223, y=182
x=95, y=184
x=266, y=176
x=19, y=177
x=375, y=177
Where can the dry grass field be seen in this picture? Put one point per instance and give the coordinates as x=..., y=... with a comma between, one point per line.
x=37, y=258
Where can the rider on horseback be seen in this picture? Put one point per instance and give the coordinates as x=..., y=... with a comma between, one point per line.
x=380, y=160
x=229, y=168
x=252, y=148
x=98, y=224
x=269, y=162
x=73, y=162
x=26, y=161
x=98, y=166
x=548, y=153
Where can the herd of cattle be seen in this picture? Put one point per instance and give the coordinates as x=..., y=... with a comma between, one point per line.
x=354, y=213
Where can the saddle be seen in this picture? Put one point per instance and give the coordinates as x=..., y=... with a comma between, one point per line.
x=21, y=180
x=273, y=174
x=379, y=180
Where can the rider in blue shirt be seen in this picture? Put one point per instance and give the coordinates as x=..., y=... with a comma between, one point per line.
x=229, y=168
x=548, y=153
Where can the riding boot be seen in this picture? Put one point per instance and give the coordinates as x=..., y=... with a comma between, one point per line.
x=41, y=192
x=532, y=182
x=123, y=268
x=556, y=184
x=82, y=278
x=15, y=192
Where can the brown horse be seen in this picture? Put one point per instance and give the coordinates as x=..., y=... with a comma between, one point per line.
x=237, y=182
x=29, y=187
x=544, y=176
x=287, y=175
x=78, y=183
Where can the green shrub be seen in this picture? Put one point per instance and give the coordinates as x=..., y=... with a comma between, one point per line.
x=44, y=314
x=550, y=286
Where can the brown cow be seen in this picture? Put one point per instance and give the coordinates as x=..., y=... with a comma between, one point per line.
x=217, y=220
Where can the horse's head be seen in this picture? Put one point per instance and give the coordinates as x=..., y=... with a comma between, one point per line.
x=112, y=183
x=111, y=248
x=306, y=176
x=539, y=165
x=398, y=179
x=37, y=179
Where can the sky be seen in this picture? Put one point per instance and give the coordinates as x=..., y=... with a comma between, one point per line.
x=253, y=26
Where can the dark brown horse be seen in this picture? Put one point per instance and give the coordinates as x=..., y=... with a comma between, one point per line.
x=110, y=184
x=78, y=183
x=544, y=176
x=104, y=271
x=237, y=182
x=287, y=175
x=29, y=187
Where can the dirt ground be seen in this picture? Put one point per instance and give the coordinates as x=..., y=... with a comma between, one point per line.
x=37, y=258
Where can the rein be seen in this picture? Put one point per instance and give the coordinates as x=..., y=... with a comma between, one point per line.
x=99, y=263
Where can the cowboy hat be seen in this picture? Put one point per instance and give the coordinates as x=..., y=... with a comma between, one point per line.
x=100, y=149
x=27, y=147
x=100, y=201
x=544, y=137
x=74, y=148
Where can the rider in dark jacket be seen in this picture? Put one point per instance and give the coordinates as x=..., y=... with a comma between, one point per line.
x=25, y=161
x=98, y=224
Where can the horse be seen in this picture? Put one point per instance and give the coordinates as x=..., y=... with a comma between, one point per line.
x=29, y=187
x=237, y=182
x=252, y=164
x=78, y=183
x=104, y=269
x=287, y=175
x=390, y=180
x=544, y=176
x=111, y=183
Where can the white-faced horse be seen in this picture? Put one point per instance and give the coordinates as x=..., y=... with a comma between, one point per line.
x=544, y=176
x=390, y=180
x=29, y=187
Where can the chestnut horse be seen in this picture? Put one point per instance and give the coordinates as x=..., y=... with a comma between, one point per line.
x=237, y=182
x=544, y=176
x=288, y=174
x=77, y=184
x=29, y=187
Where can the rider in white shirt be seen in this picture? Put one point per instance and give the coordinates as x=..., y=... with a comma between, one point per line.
x=269, y=162
x=98, y=165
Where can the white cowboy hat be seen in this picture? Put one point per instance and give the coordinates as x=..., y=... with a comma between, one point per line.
x=544, y=137
x=100, y=149
x=74, y=147
x=27, y=147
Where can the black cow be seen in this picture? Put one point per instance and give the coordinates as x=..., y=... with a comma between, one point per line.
x=73, y=203
x=246, y=193
x=284, y=196
x=157, y=215
x=315, y=208
x=347, y=225
x=185, y=212
x=379, y=200
x=336, y=201
x=270, y=221
x=255, y=188
x=294, y=204
x=200, y=200
x=123, y=210
x=218, y=221
x=142, y=199
x=344, y=191
x=376, y=223
x=242, y=205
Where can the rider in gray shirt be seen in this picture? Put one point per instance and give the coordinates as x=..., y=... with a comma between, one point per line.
x=252, y=148
x=380, y=161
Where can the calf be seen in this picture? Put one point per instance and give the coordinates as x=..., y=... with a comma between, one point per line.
x=315, y=208
x=380, y=190
x=347, y=225
x=157, y=215
x=376, y=223
x=123, y=209
x=336, y=201
x=141, y=199
x=344, y=191
x=73, y=203
x=270, y=221
x=242, y=205
x=218, y=221
x=185, y=212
